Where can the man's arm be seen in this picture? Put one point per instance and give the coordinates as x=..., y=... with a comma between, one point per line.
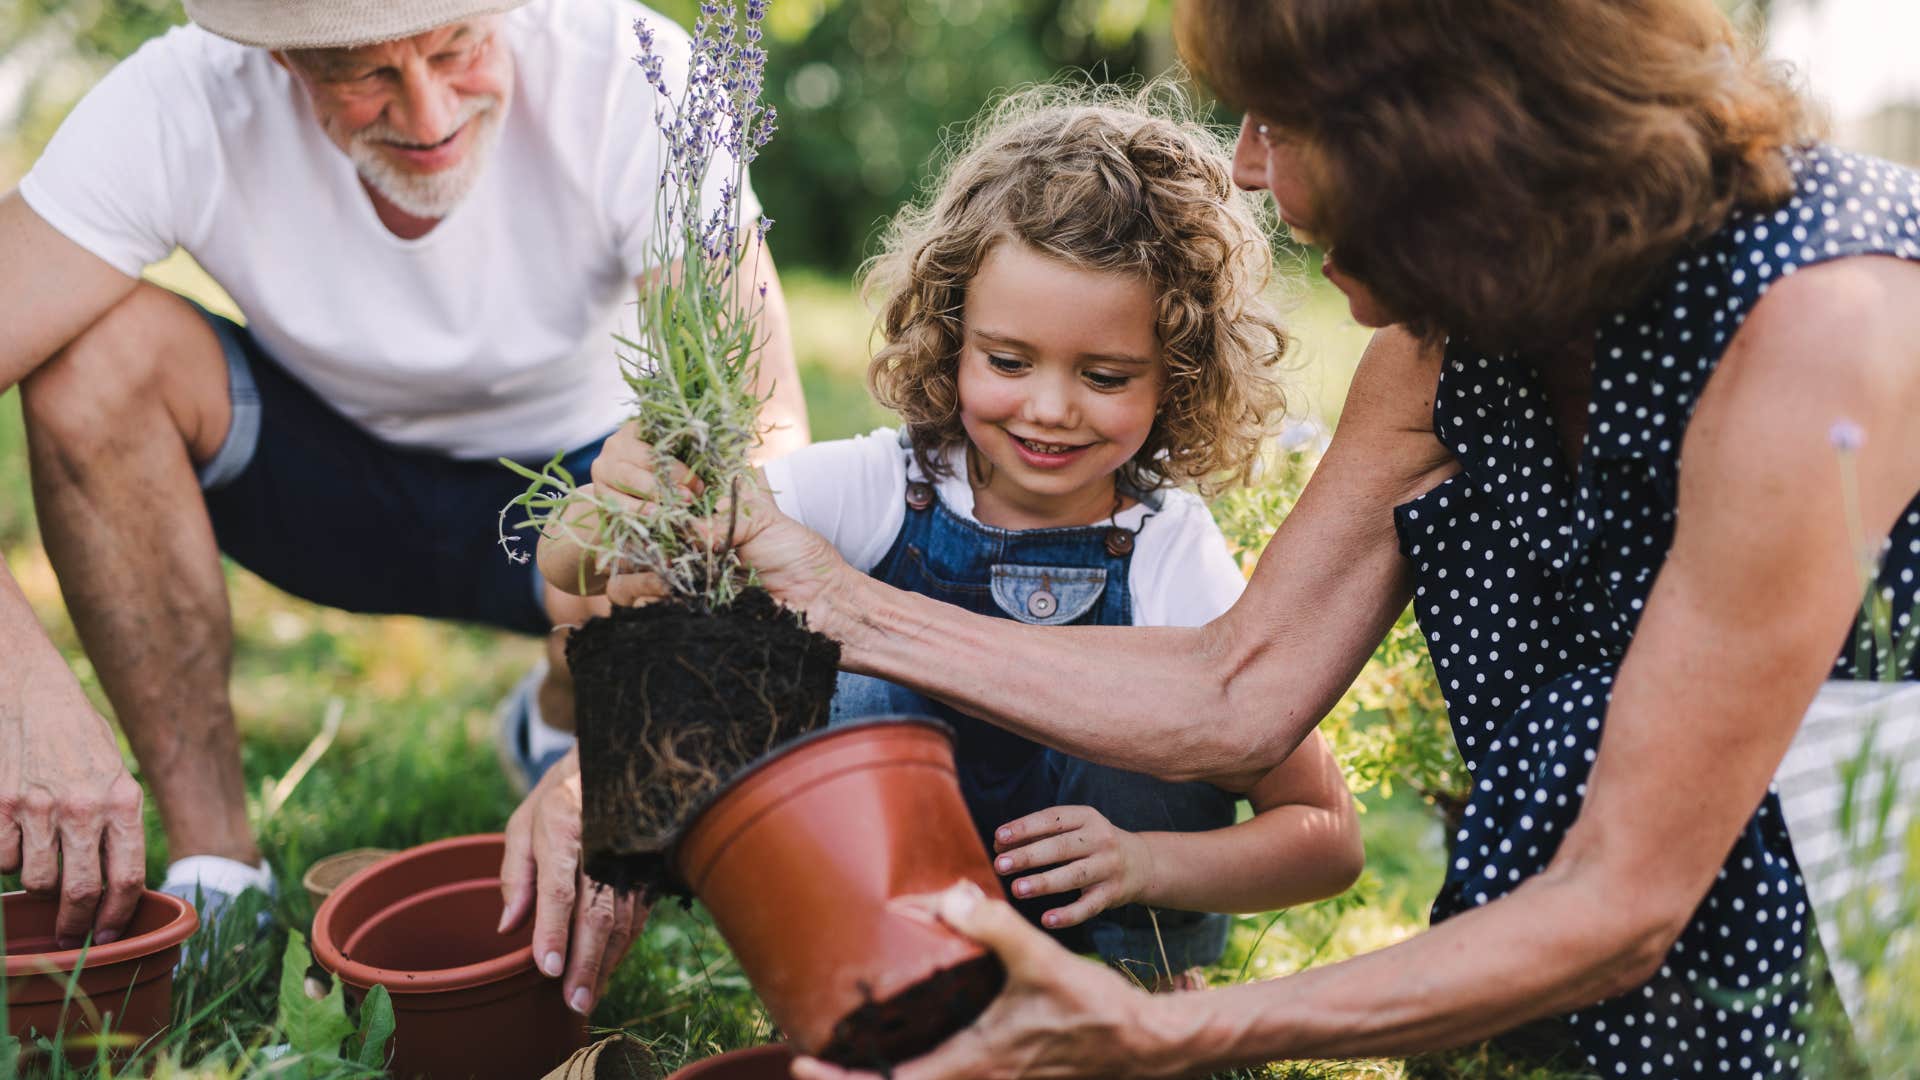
x=784, y=416
x=65, y=794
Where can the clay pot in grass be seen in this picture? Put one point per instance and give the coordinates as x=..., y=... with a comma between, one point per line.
x=124, y=991
x=757, y=1063
x=818, y=865
x=331, y=872
x=467, y=1000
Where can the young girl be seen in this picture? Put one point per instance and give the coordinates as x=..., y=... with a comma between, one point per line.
x=1072, y=326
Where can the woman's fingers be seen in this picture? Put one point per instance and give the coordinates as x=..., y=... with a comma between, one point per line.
x=1026, y=951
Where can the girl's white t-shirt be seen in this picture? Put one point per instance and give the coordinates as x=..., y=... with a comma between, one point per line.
x=490, y=335
x=853, y=492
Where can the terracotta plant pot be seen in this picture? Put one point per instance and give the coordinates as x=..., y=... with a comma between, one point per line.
x=757, y=1063
x=804, y=860
x=125, y=988
x=467, y=1001
x=328, y=874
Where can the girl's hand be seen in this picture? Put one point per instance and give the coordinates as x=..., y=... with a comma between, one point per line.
x=1110, y=866
x=1059, y=1015
x=797, y=565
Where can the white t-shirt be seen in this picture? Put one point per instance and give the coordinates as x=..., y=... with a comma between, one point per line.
x=490, y=335
x=853, y=492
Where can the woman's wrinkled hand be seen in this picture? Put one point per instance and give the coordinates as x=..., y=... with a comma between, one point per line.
x=1059, y=1015
x=1109, y=865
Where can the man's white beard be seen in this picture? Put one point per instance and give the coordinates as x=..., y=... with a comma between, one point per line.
x=429, y=195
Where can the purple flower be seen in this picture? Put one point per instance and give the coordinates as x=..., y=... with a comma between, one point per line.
x=1846, y=436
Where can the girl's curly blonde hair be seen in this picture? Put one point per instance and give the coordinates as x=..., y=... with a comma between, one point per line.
x=1112, y=180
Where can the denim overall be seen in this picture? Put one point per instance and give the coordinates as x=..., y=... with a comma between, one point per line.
x=1043, y=577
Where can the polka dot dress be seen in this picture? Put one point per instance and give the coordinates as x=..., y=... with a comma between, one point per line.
x=1529, y=588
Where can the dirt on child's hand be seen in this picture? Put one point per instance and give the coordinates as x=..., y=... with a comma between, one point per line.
x=1109, y=865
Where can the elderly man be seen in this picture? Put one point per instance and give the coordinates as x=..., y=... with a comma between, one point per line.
x=431, y=213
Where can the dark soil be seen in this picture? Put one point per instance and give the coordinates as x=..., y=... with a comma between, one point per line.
x=881, y=1034
x=670, y=703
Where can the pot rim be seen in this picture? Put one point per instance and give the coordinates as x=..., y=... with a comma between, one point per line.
x=402, y=980
x=759, y=764
x=180, y=925
x=743, y=1056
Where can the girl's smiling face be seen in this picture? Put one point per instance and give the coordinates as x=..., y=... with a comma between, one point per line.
x=1060, y=376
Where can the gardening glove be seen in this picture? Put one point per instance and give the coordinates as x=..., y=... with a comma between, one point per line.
x=581, y=929
x=1059, y=1015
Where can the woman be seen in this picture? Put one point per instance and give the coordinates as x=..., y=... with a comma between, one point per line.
x=1603, y=250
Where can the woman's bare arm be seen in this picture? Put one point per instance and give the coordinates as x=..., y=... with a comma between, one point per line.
x=1756, y=598
x=1230, y=698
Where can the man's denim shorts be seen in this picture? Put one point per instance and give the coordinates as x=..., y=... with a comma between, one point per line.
x=310, y=501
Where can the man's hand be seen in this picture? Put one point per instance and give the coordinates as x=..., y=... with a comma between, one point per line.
x=70, y=814
x=541, y=875
x=1109, y=865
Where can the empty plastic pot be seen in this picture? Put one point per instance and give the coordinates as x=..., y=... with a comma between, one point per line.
x=467, y=1000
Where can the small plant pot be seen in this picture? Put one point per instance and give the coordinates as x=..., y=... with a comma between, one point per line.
x=124, y=991
x=810, y=862
x=757, y=1063
x=467, y=1001
x=328, y=874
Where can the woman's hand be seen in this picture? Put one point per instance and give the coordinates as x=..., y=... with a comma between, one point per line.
x=1059, y=1016
x=1109, y=865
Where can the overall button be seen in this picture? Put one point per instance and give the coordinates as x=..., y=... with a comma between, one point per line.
x=1041, y=603
x=919, y=495
x=1119, y=542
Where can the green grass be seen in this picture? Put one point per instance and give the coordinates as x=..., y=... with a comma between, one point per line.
x=413, y=762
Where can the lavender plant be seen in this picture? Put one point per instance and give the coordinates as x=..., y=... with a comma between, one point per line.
x=693, y=367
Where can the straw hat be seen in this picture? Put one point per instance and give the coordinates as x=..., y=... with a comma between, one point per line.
x=322, y=24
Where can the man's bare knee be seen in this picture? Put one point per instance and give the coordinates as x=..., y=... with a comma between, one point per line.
x=149, y=352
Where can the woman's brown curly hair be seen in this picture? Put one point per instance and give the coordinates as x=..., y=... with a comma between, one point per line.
x=1507, y=170
x=1112, y=180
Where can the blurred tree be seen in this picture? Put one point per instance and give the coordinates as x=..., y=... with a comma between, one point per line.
x=865, y=87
